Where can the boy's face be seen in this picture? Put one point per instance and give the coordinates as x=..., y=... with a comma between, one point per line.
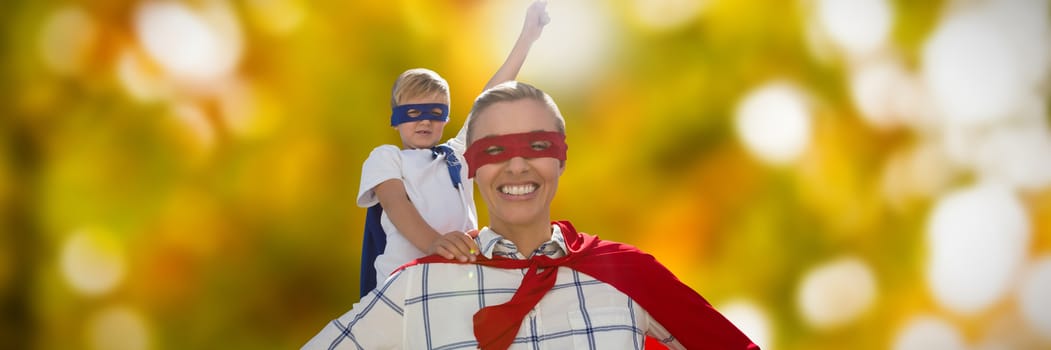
x=517, y=191
x=424, y=133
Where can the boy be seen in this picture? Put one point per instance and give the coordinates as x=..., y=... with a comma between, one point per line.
x=419, y=198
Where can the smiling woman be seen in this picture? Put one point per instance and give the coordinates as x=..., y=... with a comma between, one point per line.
x=518, y=184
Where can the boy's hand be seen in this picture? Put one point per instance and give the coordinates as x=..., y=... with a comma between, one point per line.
x=536, y=19
x=456, y=245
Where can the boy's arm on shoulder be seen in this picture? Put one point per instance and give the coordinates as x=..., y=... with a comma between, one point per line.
x=404, y=215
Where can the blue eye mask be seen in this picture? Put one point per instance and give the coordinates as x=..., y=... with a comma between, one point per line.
x=400, y=114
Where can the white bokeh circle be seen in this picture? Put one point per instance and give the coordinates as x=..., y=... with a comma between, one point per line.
x=925, y=333
x=1034, y=297
x=118, y=327
x=67, y=39
x=196, y=45
x=858, y=26
x=977, y=240
x=774, y=122
x=837, y=292
x=93, y=261
x=972, y=70
x=750, y=319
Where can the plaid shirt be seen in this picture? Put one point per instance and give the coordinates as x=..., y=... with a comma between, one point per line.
x=430, y=306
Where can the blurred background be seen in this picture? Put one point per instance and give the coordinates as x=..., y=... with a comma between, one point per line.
x=830, y=174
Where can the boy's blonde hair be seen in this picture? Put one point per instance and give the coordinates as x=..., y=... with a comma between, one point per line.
x=508, y=92
x=418, y=82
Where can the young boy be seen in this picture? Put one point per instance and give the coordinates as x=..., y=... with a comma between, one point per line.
x=419, y=198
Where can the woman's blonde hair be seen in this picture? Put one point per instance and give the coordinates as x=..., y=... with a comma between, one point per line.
x=508, y=92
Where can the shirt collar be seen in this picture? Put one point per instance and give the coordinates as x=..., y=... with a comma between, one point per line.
x=492, y=243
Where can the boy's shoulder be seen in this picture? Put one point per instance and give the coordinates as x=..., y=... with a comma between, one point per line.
x=385, y=150
x=387, y=147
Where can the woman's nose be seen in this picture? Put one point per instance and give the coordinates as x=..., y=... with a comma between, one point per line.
x=517, y=165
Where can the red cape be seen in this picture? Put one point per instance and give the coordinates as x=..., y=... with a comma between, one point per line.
x=677, y=307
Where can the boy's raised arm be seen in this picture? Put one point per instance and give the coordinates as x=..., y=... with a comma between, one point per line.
x=536, y=19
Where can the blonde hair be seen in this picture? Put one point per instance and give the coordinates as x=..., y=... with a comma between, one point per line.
x=508, y=92
x=418, y=82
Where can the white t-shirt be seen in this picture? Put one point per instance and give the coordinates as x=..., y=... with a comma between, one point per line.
x=430, y=189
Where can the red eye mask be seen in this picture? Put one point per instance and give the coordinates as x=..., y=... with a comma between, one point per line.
x=497, y=149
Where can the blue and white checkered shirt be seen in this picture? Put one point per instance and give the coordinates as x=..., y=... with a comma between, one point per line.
x=430, y=306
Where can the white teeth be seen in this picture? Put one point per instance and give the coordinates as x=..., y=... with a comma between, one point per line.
x=518, y=190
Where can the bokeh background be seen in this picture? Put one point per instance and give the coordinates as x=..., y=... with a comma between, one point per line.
x=831, y=174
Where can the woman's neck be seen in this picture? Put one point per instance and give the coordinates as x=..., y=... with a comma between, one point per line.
x=527, y=237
